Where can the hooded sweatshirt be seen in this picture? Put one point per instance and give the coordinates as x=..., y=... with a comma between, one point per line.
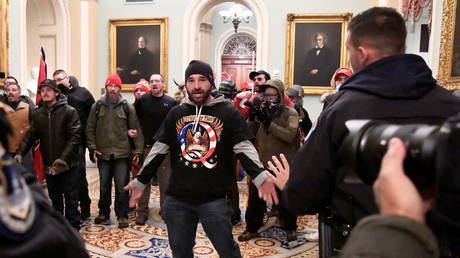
x=282, y=135
x=396, y=89
x=202, y=141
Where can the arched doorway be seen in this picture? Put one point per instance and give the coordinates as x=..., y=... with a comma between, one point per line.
x=45, y=23
x=239, y=57
x=197, y=10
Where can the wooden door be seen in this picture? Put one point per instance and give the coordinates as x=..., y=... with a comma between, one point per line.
x=239, y=67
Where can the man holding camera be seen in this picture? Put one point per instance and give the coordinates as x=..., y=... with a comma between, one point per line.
x=276, y=132
x=387, y=85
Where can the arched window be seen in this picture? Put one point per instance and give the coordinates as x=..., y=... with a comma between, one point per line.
x=240, y=45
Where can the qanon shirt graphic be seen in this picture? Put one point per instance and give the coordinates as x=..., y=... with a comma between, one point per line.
x=198, y=140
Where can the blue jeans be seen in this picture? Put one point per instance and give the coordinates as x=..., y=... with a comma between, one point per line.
x=62, y=189
x=119, y=170
x=85, y=201
x=182, y=221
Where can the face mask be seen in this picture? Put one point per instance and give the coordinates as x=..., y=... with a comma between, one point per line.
x=63, y=88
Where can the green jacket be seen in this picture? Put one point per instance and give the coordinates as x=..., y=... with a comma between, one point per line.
x=107, y=131
x=282, y=135
x=387, y=235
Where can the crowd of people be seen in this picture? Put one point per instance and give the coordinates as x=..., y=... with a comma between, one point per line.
x=195, y=145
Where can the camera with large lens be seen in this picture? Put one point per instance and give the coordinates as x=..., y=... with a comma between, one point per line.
x=432, y=163
x=430, y=148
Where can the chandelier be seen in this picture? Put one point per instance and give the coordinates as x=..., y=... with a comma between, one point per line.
x=236, y=14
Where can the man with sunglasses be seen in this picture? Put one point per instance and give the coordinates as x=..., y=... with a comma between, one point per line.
x=151, y=110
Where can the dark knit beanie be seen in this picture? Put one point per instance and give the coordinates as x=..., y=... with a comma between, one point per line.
x=200, y=67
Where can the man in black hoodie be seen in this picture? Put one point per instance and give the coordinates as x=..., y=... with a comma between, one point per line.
x=82, y=100
x=202, y=135
x=387, y=85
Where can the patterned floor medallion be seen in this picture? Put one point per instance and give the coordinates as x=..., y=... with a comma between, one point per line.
x=151, y=239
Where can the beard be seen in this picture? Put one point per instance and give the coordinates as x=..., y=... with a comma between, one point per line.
x=112, y=97
x=199, y=100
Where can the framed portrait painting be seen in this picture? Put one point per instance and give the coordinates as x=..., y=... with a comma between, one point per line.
x=315, y=48
x=449, y=58
x=138, y=49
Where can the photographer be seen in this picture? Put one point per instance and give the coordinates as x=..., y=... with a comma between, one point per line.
x=401, y=222
x=387, y=85
x=277, y=132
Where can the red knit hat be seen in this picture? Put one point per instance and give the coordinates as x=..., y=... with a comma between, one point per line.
x=143, y=85
x=345, y=71
x=113, y=78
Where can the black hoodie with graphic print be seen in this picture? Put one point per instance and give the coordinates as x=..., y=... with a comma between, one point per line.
x=202, y=141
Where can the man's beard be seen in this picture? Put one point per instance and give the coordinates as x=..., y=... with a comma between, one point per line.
x=201, y=100
x=112, y=97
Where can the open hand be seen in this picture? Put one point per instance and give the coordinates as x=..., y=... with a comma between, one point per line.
x=267, y=191
x=135, y=194
x=281, y=171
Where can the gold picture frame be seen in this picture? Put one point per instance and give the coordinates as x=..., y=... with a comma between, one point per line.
x=4, y=37
x=449, y=57
x=128, y=59
x=302, y=32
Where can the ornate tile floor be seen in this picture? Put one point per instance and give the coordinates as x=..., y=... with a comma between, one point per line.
x=151, y=240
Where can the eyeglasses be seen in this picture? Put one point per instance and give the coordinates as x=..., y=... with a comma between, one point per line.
x=112, y=86
x=61, y=79
x=155, y=81
x=258, y=79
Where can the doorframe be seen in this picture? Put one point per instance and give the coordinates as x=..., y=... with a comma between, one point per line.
x=226, y=36
x=198, y=8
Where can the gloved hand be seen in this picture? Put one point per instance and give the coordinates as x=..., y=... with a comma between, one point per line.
x=18, y=158
x=264, y=118
x=60, y=166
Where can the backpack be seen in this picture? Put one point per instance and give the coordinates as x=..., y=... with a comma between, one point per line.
x=124, y=105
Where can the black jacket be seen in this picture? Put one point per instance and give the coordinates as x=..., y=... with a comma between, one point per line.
x=151, y=112
x=82, y=100
x=58, y=129
x=397, y=89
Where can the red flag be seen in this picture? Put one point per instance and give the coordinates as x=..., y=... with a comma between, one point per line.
x=38, y=161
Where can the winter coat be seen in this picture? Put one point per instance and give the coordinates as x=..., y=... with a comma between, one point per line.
x=402, y=237
x=81, y=99
x=107, y=130
x=282, y=135
x=57, y=128
x=396, y=89
x=20, y=121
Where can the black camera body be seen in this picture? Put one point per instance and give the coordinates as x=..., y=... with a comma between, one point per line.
x=363, y=149
x=432, y=162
